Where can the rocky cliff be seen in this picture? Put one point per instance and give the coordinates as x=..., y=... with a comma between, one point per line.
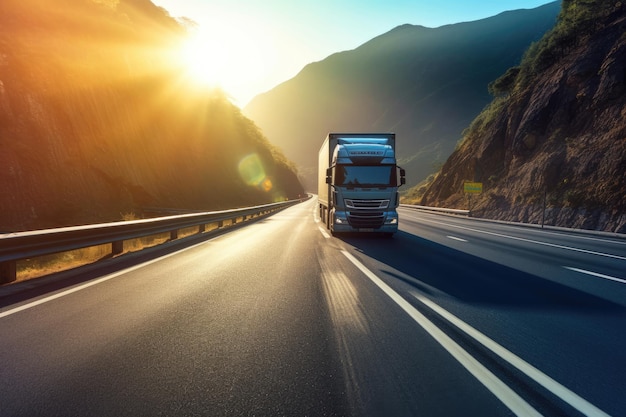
x=554, y=137
x=98, y=120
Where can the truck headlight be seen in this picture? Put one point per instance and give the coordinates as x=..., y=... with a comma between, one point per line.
x=339, y=219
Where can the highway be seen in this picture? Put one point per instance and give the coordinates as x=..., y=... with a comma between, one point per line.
x=450, y=317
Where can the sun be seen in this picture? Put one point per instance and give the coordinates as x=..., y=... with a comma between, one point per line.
x=206, y=60
x=221, y=56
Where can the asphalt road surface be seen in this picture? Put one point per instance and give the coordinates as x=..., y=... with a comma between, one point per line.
x=451, y=317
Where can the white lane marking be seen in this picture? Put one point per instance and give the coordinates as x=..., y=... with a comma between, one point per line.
x=598, y=239
x=456, y=238
x=595, y=274
x=608, y=255
x=544, y=380
x=503, y=392
x=316, y=216
x=326, y=235
x=94, y=282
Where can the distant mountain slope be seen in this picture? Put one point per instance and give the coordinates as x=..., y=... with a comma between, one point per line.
x=96, y=120
x=425, y=85
x=555, y=135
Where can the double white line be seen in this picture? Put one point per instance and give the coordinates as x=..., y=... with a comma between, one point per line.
x=502, y=391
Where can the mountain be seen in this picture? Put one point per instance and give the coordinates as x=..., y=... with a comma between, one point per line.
x=555, y=134
x=97, y=120
x=424, y=84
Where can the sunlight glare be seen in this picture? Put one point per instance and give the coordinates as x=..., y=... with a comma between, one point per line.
x=205, y=60
x=225, y=56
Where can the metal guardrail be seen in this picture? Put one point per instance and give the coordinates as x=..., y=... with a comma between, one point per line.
x=30, y=244
x=438, y=209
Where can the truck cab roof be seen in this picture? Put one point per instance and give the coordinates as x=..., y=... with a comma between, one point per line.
x=375, y=152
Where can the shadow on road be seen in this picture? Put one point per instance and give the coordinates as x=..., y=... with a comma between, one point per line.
x=433, y=267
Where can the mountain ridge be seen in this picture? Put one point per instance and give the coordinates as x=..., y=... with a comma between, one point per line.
x=425, y=88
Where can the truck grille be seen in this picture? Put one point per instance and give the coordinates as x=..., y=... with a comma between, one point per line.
x=366, y=204
x=366, y=219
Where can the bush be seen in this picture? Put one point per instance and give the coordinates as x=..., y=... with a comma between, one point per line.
x=504, y=84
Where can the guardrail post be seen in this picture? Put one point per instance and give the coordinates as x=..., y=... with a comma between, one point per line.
x=8, y=271
x=174, y=234
x=117, y=247
x=220, y=224
x=201, y=228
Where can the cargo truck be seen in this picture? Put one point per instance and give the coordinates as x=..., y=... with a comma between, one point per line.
x=358, y=180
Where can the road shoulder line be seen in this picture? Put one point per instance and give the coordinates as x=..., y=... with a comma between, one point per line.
x=498, y=388
x=544, y=380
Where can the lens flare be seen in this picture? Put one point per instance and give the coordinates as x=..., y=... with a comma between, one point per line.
x=267, y=185
x=252, y=172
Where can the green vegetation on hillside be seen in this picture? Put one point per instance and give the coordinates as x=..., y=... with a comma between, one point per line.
x=577, y=20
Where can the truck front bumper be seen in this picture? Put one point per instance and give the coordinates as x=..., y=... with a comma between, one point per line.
x=342, y=222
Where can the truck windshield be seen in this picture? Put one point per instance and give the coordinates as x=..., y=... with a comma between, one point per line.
x=365, y=175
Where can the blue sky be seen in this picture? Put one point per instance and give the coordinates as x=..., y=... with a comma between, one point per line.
x=261, y=43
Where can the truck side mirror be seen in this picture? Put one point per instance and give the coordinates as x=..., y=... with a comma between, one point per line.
x=402, y=176
x=329, y=176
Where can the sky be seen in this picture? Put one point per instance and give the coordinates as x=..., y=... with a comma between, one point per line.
x=247, y=47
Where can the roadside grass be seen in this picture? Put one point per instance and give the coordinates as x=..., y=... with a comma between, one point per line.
x=49, y=264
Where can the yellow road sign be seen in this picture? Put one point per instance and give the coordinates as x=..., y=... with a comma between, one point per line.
x=473, y=187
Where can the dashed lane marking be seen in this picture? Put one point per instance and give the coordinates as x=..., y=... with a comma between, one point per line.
x=596, y=274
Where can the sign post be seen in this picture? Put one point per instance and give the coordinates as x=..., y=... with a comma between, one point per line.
x=470, y=188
